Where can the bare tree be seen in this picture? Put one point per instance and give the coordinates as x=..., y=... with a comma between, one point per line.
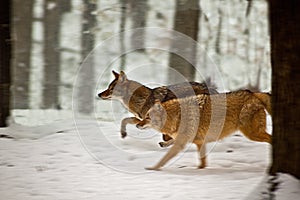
x=89, y=23
x=53, y=10
x=139, y=17
x=22, y=29
x=5, y=56
x=86, y=78
x=285, y=59
x=52, y=18
x=186, y=21
x=219, y=33
x=122, y=34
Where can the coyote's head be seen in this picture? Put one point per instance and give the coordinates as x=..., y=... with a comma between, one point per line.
x=116, y=88
x=155, y=117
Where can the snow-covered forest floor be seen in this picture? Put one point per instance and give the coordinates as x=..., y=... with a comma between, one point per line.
x=86, y=159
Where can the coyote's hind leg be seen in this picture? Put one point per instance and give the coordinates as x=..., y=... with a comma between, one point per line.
x=202, y=154
x=253, y=123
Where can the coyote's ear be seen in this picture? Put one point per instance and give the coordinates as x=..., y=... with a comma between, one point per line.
x=115, y=74
x=123, y=76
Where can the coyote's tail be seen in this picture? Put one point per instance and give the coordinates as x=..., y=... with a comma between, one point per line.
x=265, y=98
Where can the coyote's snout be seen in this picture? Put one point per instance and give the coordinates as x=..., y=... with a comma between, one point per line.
x=207, y=118
x=105, y=95
x=138, y=98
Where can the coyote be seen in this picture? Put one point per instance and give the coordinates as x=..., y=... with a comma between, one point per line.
x=138, y=98
x=207, y=118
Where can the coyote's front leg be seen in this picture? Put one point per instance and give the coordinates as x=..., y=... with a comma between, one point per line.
x=179, y=144
x=125, y=121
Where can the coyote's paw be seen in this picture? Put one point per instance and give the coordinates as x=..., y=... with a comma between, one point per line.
x=162, y=144
x=152, y=168
x=123, y=134
x=202, y=166
x=166, y=144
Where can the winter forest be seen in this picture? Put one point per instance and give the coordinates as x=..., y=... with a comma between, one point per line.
x=61, y=139
x=231, y=39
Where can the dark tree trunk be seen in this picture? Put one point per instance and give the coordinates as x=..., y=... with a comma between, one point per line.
x=139, y=18
x=186, y=21
x=22, y=29
x=285, y=59
x=5, y=58
x=52, y=18
x=86, y=78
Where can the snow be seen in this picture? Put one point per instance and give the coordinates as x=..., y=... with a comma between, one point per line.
x=289, y=187
x=86, y=158
x=284, y=187
x=51, y=5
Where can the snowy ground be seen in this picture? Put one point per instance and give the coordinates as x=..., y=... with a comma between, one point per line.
x=58, y=161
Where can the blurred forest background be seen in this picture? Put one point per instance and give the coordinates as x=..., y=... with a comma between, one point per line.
x=53, y=37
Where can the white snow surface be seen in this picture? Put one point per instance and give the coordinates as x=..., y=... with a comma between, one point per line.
x=286, y=187
x=84, y=158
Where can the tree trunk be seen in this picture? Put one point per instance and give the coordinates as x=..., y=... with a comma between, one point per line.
x=86, y=78
x=52, y=18
x=139, y=18
x=22, y=29
x=219, y=33
x=186, y=21
x=5, y=56
x=122, y=34
x=285, y=59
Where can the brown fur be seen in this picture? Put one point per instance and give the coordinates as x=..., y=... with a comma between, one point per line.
x=207, y=118
x=138, y=98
